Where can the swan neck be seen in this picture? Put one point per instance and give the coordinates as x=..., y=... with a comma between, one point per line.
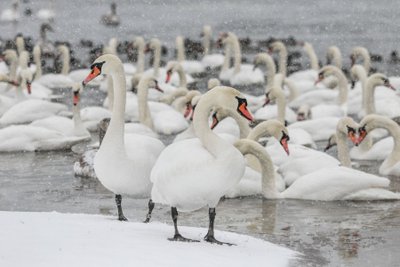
x=38, y=62
x=227, y=57
x=182, y=77
x=313, y=57
x=180, y=49
x=206, y=42
x=140, y=59
x=66, y=64
x=343, y=149
x=110, y=92
x=156, y=60
x=143, y=106
x=293, y=92
x=237, y=54
x=369, y=97
x=79, y=128
x=283, y=54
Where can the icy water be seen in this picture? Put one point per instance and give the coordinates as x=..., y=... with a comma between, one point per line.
x=327, y=233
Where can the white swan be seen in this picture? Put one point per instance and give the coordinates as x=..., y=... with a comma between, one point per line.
x=197, y=172
x=66, y=126
x=189, y=66
x=390, y=165
x=57, y=80
x=210, y=60
x=240, y=74
x=362, y=52
x=123, y=162
x=334, y=56
x=311, y=73
x=327, y=184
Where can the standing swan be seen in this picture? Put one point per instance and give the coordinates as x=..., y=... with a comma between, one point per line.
x=123, y=163
x=197, y=172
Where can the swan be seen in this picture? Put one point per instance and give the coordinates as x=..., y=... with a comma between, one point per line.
x=59, y=80
x=326, y=184
x=46, y=46
x=11, y=14
x=309, y=74
x=210, y=60
x=11, y=57
x=390, y=165
x=189, y=66
x=334, y=57
x=188, y=183
x=250, y=184
x=362, y=52
x=156, y=71
x=240, y=74
x=66, y=126
x=173, y=92
x=123, y=162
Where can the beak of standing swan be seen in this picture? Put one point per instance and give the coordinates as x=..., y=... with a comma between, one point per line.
x=284, y=142
x=29, y=87
x=96, y=71
x=242, y=109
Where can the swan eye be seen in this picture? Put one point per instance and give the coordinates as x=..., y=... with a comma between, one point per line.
x=97, y=65
x=285, y=136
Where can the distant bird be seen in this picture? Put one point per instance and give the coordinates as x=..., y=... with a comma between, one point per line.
x=111, y=19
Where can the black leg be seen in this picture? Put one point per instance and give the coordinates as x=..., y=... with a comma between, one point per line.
x=118, y=200
x=151, y=207
x=178, y=236
x=210, y=234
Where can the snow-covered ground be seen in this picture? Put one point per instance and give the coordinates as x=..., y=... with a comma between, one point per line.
x=56, y=239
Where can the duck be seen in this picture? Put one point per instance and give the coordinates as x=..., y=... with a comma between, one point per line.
x=240, y=74
x=204, y=168
x=326, y=184
x=211, y=61
x=111, y=19
x=124, y=161
x=189, y=66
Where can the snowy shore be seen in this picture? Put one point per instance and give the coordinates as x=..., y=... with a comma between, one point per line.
x=56, y=239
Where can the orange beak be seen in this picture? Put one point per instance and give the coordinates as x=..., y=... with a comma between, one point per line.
x=93, y=74
x=285, y=145
x=320, y=78
x=75, y=99
x=245, y=112
x=354, y=138
x=361, y=137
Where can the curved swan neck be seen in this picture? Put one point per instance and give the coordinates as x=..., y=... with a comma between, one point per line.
x=20, y=43
x=283, y=54
x=363, y=52
x=180, y=49
x=293, y=91
x=342, y=83
x=213, y=143
x=335, y=56
x=110, y=92
x=66, y=59
x=79, y=128
x=182, y=76
x=271, y=69
x=268, y=186
x=140, y=44
x=227, y=56
x=114, y=137
x=369, y=93
x=156, y=45
x=263, y=129
x=277, y=92
x=237, y=52
x=38, y=61
x=143, y=106
x=342, y=149
x=311, y=54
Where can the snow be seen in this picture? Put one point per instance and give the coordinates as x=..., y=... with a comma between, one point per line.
x=55, y=239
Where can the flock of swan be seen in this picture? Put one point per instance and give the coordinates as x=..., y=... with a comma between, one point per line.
x=215, y=152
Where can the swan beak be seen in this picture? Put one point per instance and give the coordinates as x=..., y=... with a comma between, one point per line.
x=93, y=74
x=361, y=137
x=158, y=88
x=285, y=145
x=388, y=85
x=328, y=146
x=168, y=78
x=267, y=100
x=245, y=112
x=29, y=87
x=353, y=84
x=75, y=99
x=188, y=110
x=214, y=121
x=319, y=80
x=301, y=117
x=356, y=141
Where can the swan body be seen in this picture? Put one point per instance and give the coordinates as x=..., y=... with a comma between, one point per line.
x=210, y=60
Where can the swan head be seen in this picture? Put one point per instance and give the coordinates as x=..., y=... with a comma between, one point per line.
x=189, y=109
x=276, y=46
x=327, y=71
x=279, y=132
x=380, y=79
x=206, y=31
x=304, y=113
x=357, y=51
x=213, y=82
x=349, y=127
x=271, y=95
x=138, y=42
x=222, y=39
x=149, y=81
x=76, y=92
x=373, y=121
x=172, y=67
x=105, y=64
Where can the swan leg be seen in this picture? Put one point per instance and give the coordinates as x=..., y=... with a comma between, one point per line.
x=118, y=200
x=210, y=234
x=151, y=207
x=178, y=236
